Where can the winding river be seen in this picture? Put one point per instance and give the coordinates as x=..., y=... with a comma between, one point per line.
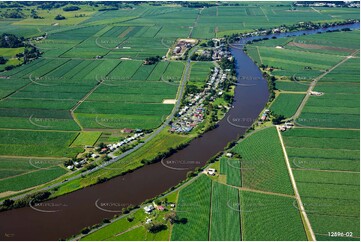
x=68, y=214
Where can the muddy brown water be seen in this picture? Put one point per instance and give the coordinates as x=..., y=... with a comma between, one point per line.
x=67, y=215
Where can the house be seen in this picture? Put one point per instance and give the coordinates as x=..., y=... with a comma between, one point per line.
x=229, y=155
x=127, y=131
x=264, y=117
x=94, y=156
x=70, y=167
x=160, y=208
x=148, y=221
x=148, y=209
x=177, y=50
x=211, y=171
x=289, y=125
x=282, y=128
x=313, y=93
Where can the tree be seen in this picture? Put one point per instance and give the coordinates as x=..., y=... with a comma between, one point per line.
x=190, y=174
x=71, y=8
x=8, y=202
x=59, y=17
x=85, y=230
x=8, y=68
x=155, y=227
x=277, y=118
x=210, y=43
x=68, y=163
x=171, y=217
x=2, y=60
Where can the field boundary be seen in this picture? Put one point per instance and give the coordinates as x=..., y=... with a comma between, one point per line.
x=313, y=85
x=307, y=225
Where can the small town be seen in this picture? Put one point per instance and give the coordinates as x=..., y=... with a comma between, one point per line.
x=192, y=114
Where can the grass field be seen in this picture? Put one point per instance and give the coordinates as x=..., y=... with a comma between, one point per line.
x=86, y=138
x=122, y=229
x=263, y=164
x=161, y=143
x=286, y=104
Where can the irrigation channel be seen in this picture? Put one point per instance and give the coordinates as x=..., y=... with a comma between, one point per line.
x=65, y=216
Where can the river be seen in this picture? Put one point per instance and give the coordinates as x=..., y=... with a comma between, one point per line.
x=68, y=214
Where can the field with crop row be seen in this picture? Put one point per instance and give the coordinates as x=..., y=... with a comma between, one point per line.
x=284, y=221
x=232, y=169
x=37, y=143
x=292, y=86
x=326, y=168
x=286, y=104
x=31, y=179
x=339, y=106
x=225, y=216
x=200, y=73
x=263, y=165
x=194, y=205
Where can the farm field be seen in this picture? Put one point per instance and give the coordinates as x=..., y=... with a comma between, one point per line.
x=200, y=73
x=232, y=169
x=37, y=143
x=194, y=205
x=339, y=106
x=286, y=104
x=225, y=217
x=284, y=221
x=95, y=84
x=21, y=173
x=326, y=167
x=304, y=57
x=326, y=43
x=263, y=168
x=128, y=99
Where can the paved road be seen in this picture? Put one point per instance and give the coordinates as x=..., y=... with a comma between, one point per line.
x=150, y=137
